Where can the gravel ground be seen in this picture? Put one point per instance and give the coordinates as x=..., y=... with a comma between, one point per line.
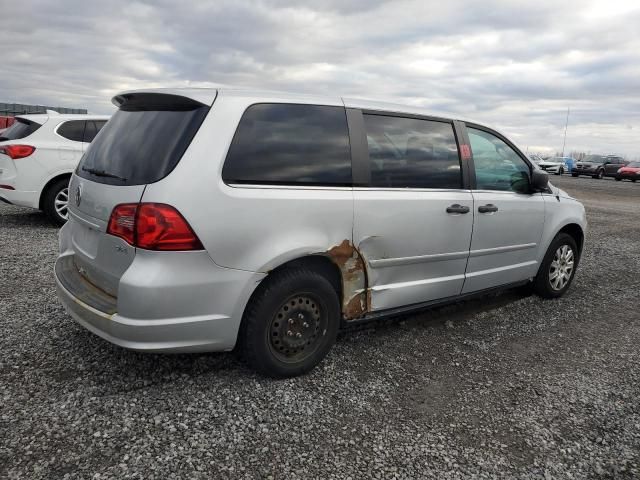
x=506, y=386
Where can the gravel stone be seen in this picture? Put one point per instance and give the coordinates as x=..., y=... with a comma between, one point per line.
x=508, y=386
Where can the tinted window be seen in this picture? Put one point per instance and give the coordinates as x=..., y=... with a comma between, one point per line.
x=497, y=165
x=143, y=141
x=72, y=130
x=290, y=144
x=89, y=132
x=594, y=159
x=406, y=152
x=20, y=129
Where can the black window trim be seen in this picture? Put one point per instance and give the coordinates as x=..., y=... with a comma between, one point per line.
x=476, y=126
x=267, y=184
x=84, y=127
x=360, y=157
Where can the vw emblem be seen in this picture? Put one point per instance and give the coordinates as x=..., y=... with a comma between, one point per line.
x=78, y=195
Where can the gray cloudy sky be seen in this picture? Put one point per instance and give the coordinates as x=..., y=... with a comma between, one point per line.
x=514, y=64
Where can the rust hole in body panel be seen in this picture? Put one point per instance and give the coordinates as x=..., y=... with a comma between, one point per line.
x=356, y=299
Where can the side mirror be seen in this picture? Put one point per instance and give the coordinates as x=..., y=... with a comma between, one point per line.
x=539, y=180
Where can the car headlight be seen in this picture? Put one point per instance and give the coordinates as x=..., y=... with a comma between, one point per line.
x=619, y=170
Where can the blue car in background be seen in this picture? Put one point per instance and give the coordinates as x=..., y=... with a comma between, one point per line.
x=557, y=165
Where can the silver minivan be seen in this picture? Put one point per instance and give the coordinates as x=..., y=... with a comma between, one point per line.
x=213, y=219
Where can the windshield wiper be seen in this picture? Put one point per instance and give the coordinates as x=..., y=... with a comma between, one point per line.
x=103, y=173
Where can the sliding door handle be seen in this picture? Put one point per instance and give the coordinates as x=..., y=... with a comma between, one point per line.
x=457, y=208
x=489, y=208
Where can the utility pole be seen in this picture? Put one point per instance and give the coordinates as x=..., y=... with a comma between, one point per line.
x=566, y=124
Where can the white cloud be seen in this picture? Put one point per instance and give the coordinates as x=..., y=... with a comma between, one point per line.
x=513, y=64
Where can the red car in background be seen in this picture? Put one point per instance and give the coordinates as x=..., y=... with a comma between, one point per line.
x=6, y=122
x=630, y=171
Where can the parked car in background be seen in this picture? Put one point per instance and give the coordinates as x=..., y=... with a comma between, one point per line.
x=599, y=166
x=38, y=153
x=631, y=171
x=204, y=219
x=557, y=165
x=535, y=158
x=6, y=122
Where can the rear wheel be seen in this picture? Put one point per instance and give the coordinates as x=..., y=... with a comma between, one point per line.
x=291, y=323
x=558, y=267
x=574, y=174
x=599, y=175
x=55, y=201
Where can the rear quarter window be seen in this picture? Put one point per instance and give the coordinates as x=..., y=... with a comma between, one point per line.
x=290, y=144
x=72, y=130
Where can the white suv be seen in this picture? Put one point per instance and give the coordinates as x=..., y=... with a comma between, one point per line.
x=38, y=153
x=205, y=219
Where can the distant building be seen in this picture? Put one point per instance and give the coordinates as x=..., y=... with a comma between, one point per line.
x=12, y=109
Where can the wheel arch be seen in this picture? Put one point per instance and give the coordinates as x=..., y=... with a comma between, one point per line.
x=50, y=182
x=575, y=231
x=345, y=269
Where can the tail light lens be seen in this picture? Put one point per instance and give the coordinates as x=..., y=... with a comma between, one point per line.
x=152, y=226
x=17, y=151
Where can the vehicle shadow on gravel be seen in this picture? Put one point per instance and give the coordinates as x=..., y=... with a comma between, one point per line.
x=20, y=217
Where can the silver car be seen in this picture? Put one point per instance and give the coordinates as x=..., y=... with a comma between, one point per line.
x=208, y=220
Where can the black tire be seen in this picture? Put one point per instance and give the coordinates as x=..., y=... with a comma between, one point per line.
x=618, y=179
x=267, y=339
x=574, y=174
x=54, y=193
x=542, y=283
x=634, y=180
x=560, y=172
x=599, y=175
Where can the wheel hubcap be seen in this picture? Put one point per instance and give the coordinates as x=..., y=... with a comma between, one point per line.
x=61, y=203
x=297, y=328
x=561, y=267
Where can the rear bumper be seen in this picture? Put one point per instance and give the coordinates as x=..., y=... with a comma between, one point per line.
x=20, y=198
x=205, y=332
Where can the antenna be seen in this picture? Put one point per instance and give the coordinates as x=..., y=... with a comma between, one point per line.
x=566, y=124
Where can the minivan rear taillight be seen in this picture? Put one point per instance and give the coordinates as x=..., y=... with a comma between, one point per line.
x=152, y=226
x=17, y=151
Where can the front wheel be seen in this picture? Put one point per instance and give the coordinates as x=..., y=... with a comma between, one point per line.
x=618, y=179
x=560, y=172
x=290, y=324
x=558, y=267
x=55, y=201
x=599, y=175
x=574, y=175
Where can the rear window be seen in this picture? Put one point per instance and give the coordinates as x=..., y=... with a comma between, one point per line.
x=22, y=128
x=143, y=141
x=290, y=144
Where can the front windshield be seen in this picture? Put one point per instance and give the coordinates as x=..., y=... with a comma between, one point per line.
x=594, y=159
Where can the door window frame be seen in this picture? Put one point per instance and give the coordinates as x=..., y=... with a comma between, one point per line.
x=475, y=126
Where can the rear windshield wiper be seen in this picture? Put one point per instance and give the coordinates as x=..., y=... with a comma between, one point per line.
x=103, y=173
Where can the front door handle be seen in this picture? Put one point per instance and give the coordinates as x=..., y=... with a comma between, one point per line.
x=489, y=208
x=457, y=208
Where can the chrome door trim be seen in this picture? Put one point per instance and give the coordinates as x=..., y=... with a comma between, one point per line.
x=508, y=248
x=501, y=269
x=437, y=257
x=415, y=283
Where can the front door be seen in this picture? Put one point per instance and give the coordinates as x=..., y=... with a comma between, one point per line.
x=508, y=220
x=413, y=221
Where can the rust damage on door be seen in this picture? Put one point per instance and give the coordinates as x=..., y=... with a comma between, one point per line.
x=356, y=298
